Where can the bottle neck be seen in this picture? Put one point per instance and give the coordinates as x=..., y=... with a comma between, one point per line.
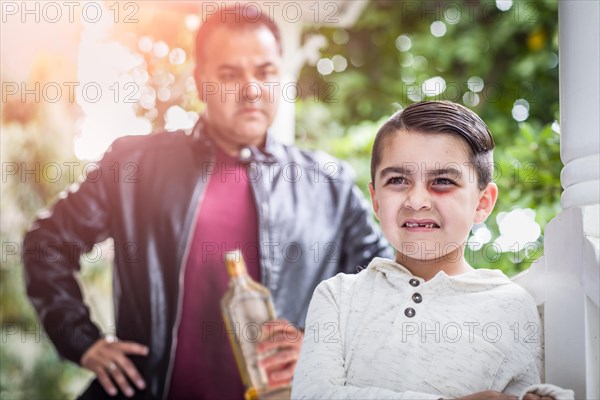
x=236, y=267
x=236, y=270
x=241, y=279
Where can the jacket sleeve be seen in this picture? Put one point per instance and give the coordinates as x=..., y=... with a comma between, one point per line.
x=363, y=240
x=320, y=372
x=51, y=252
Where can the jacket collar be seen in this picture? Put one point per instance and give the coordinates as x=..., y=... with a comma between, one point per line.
x=270, y=154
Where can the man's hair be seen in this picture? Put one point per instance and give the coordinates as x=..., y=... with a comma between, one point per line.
x=442, y=117
x=233, y=17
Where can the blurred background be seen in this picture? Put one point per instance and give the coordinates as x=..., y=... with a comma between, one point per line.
x=74, y=78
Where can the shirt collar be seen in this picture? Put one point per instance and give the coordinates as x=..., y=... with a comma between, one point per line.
x=472, y=281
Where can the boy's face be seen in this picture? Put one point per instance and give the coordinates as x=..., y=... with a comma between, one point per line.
x=426, y=195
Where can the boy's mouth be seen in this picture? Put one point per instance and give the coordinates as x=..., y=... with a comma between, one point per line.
x=427, y=224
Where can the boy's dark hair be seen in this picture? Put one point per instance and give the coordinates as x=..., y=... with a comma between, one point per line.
x=447, y=118
x=233, y=17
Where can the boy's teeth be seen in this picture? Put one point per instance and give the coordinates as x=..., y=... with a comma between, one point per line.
x=413, y=225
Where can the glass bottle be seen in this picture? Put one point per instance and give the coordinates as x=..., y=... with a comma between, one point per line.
x=246, y=306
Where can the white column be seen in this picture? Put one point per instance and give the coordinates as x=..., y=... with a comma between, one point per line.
x=284, y=125
x=565, y=282
x=579, y=52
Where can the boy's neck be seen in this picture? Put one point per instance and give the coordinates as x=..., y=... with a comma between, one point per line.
x=452, y=264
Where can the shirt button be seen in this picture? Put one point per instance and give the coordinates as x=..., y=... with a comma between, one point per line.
x=417, y=298
x=409, y=312
x=245, y=154
x=414, y=282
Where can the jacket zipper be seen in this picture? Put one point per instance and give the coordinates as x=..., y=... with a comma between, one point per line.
x=182, y=269
x=265, y=265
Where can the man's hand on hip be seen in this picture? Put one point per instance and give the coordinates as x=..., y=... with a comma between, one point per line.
x=107, y=358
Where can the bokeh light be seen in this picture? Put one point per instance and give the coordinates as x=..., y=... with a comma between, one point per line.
x=434, y=86
x=438, y=29
x=480, y=235
x=504, y=5
x=325, y=66
x=403, y=43
x=520, y=110
x=518, y=229
x=339, y=63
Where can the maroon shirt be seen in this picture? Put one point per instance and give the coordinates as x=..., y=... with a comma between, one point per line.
x=205, y=367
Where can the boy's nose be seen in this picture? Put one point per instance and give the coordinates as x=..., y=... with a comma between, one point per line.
x=418, y=199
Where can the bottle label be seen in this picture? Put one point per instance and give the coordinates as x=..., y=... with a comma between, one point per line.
x=249, y=312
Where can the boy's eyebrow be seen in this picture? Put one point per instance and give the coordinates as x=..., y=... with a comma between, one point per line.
x=396, y=170
x=401, y=170
x=445, y=171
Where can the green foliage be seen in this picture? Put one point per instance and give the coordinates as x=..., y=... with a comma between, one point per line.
x=33, y=140
x=35, y=372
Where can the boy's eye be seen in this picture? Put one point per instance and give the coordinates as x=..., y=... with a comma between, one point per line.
x=443, y=181
x=397, y=180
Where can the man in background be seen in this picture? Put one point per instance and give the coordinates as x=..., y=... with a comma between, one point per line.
x=226, y=184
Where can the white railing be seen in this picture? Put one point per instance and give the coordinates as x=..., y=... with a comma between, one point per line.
x=565, y=282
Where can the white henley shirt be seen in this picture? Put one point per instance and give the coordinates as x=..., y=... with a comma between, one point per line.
x=386, y=334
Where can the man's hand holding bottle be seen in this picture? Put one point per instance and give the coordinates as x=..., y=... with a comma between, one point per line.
x=278, y=351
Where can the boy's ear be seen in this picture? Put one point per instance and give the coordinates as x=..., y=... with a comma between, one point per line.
x=374, y=199
x=487, y=201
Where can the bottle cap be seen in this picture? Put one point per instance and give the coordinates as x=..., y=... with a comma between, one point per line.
x=234, y=260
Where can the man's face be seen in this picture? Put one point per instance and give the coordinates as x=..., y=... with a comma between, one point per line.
x=426, y=195
x=239, y=82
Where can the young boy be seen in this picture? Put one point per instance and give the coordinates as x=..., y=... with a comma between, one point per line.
x=427, y=325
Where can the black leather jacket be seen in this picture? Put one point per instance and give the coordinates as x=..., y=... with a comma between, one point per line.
x=314, y=223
